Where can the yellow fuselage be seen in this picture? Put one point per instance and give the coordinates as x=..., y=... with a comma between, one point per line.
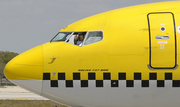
x=137, y=60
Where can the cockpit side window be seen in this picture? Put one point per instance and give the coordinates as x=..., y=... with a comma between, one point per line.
x=61, y=36
x=94, y=36
x=77, y=38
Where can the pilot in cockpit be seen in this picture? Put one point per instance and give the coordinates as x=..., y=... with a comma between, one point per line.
x=78, y=40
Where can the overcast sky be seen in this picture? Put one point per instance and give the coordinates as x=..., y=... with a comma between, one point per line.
x=25, y=24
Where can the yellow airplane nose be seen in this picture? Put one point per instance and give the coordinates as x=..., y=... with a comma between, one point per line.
x=26, y=66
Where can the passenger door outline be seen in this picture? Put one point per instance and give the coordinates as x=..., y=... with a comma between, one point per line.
x=152, y=56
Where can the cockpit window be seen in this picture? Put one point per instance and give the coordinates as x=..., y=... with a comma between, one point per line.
x=93, y=37
x=61, y=36
x=79, y=38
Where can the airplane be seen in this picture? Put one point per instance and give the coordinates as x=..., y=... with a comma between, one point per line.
x=128, y=57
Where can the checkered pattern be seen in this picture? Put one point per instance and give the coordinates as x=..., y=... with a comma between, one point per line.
x=114, y=83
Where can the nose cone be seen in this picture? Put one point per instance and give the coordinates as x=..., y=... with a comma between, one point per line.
x=26, y=69
x=26, y=66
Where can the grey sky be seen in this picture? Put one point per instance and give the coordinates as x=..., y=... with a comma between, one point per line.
x=25, y=24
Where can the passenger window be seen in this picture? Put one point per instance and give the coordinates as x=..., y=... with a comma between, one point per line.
x=77, y=38
x=61, y=36
x=93, y=37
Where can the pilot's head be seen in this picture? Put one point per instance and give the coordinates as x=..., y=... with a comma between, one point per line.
x=81, y=37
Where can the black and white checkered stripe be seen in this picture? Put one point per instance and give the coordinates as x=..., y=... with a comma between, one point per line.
x=114, y=83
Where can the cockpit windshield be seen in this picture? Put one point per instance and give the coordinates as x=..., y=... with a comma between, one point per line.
x=79, y=38
x=61, y=36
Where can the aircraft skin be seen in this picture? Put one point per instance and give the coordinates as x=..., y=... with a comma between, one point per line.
x=133, y=64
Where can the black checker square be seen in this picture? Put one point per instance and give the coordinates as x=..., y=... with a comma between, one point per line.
x=54, y=83
x=46, y=76
x=137, y=76
x=69, y=83
x=176, y=83
x=129, y=83
x=122, y=76
x=153, y=76
x=84, y=83
x=61, y=76
x=145, y=83
x=76, y=76
x=107, y=76
x=160, y=83
x=91, y=76
x=168, y=76
x=99, y=83
x=114, y=83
